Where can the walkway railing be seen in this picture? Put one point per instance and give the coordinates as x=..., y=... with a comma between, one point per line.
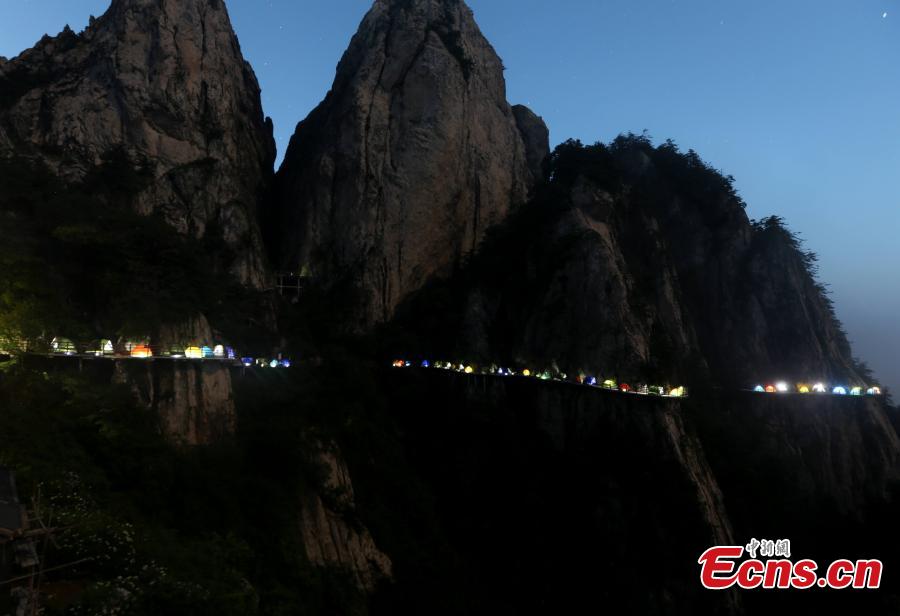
x=640, y=389
x=142, y=350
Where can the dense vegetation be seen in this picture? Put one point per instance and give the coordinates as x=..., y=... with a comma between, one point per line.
x=469, y=496
x=477, y=508
x=210, y=530
x=665, y=207
x=77, y=260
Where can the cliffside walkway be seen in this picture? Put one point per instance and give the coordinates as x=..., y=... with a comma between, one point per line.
x=639, y=389
x=106, y=350
x=581, y=380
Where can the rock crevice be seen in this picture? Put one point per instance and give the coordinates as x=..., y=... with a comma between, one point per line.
x=411, y=157
x=164, y=86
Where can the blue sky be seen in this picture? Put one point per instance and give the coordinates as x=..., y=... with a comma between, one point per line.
x=798, y=99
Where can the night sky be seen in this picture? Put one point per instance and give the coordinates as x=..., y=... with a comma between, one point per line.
x=799, y=100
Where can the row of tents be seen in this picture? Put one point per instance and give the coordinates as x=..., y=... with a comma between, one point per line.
x=106, y=348
x=816, y=388
x=548, y=375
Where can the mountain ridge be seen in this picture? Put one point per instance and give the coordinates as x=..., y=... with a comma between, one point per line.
x=341, y=485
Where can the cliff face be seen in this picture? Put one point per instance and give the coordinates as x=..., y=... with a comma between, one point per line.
x=557, y=493
x=194, y=402
x=330, y=538
x=554, y=495
x=536, y=137
x=821, y=471
x=834, y=454
x=161, y=87
x=640, y=262
x=411, y=157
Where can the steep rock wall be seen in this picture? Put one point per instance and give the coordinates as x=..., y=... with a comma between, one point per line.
x=161, y=88
x=330, y=538
x=194, y=401
x=411, y=157
x=555, y=495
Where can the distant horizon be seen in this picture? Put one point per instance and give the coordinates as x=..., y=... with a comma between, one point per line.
x=800, y=103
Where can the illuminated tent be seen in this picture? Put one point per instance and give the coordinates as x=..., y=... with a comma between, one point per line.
x=219, y=351
x=624, y=387
x=819, y=388
x=759, y=389
x=874, y=391
x=609, y=384
x=141, y=351
x=193, y=352
x=102, y=347
x=678, y=392
x=63, y=346
x=856, y=391
x=207, y=352
x=770, y=389
x=839, y=391
x=803, y=389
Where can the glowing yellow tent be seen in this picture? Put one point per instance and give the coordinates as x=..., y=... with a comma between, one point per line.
x=63, y=346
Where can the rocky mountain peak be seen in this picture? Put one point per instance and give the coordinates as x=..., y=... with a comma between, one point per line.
x=411, y=157
x=161, y=85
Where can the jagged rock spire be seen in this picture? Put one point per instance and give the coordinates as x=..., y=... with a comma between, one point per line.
x=411, y=157
x=164, y=83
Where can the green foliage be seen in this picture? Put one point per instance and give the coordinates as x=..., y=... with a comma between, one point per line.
x=78, y=261
x=666, y=208
x=166, y=530
x=773, y=235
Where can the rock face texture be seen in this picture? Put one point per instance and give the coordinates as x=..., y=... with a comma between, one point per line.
x=835, y=454
x=812, y=469
x=160, y=86
x=641, y=263
x=330, y=540
x=411, y=157
x=194, y=402
x=574, y=485
x=536, y=137
x=573, y=488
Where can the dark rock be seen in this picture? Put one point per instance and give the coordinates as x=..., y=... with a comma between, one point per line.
x=638, y=264
x=163, y=84
x=411, y=157
x=536, y=137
